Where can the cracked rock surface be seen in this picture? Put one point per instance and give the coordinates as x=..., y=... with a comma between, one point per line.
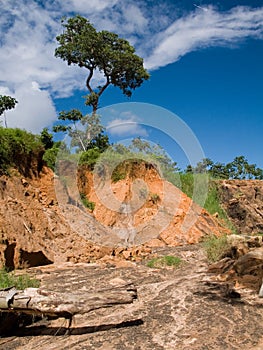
x=181, y=308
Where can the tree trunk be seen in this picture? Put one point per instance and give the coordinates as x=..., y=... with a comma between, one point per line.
x=44, y=303
x=5, y=119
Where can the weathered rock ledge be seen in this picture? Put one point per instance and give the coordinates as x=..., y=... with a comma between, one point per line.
x=186, y=308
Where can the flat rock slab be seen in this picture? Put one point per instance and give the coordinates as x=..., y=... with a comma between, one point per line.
x=176, y=309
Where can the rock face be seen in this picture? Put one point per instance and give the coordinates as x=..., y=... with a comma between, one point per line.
x=176, y=309
x=243, y=201
x=244, y=262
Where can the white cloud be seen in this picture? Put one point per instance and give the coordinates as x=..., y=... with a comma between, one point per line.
x=5, y=91
x=127, y=125
x=85, y=7
x=203, y=29
x=29, y=27
x=34, y=111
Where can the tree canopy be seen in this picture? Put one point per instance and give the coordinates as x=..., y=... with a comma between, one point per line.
x=239, y=168
x=90, y=136
x=6, y=103
x=81, y=44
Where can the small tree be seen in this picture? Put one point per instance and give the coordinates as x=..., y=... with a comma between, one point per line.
x=46, y=138
x=203, y=166
x=6, y=103
x=114, y=57
x=92, y=133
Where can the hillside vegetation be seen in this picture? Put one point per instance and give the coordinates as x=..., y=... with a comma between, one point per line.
x=19, y=149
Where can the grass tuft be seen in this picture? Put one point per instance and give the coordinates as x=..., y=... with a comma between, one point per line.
x=164, y=261
x=86, y=202
x=216, y=248
x=9, y=279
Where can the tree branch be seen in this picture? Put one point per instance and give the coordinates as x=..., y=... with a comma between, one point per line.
x=36, y=301
x=104, y=87
x=89, y=79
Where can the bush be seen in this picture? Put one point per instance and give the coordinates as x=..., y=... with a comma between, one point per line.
x=9, y=279
x=155, y=198
x=117, y=175
x=199, y=185
x=88, y=204
x=213, y=206
x=50, y=157
x=58, y=150
x=89, y=157
x=18, y=148
x=216, y=248
x=164, y=261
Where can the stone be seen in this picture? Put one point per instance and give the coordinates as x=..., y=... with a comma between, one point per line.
x=242, y=200
x=173, y=310
x=127, y=254
x=250, y=263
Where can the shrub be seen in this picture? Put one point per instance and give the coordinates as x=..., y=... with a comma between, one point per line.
x=216, y=248
x=50, y=157
x=58, y=151
x=155, y=198
x=212, y=205
x=88, y=204
x=18, y=147
x=117, y=175
x=164, y=261
x=200, y=185
x=89, y=157
x=9, y=279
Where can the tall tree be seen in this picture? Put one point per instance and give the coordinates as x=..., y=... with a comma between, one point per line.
x=6, y=103
x=80, y=44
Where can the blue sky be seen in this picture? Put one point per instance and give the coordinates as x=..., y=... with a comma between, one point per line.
x=205, y=63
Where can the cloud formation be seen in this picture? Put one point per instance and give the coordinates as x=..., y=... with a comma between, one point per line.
x=161, y=35
x=201, y=29
x=126, y=125
x=35, y=109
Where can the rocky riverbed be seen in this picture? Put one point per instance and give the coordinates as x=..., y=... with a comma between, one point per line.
x=183, y=308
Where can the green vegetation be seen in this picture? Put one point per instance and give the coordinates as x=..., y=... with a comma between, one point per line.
x=18, y=148
x=155, y=198
x=239, y=168
x=118, y=159
x=213, y=205
x=80, y=44
x=9, y=279
x=216, y=248
x=205, y=191
x=89, y=157
x=58, y=150
x=88, y=204
x=118, y=175
x=50, y=157
x=6, y=103
x=90, y=135
x=195, y=186
x=164, y=261
x=47, y=139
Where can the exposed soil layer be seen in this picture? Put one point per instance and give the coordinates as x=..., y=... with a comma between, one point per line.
x=43, y=220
